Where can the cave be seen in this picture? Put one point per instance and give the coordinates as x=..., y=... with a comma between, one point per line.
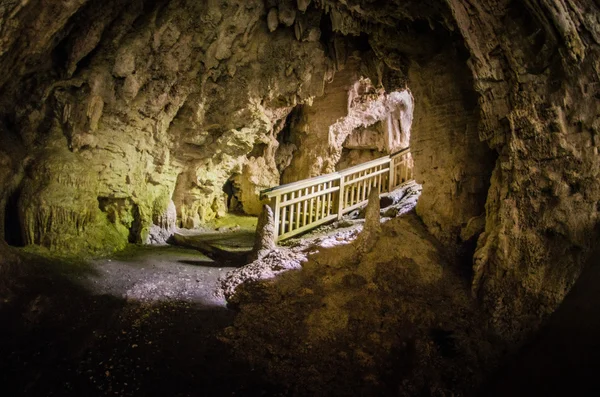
x=298, y=197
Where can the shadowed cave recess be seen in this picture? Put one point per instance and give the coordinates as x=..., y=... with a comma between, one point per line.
x=130, y=128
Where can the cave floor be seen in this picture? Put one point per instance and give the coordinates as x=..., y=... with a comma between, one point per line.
x=142, y=322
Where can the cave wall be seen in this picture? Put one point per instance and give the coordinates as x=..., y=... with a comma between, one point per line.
x=536, y=68
x=522, y=79
x=317, y=153
x=452, y=164
x=127, y=107
x=354, y=113
x=386, y=133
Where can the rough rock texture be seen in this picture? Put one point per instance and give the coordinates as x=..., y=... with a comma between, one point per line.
x=265, y=239
x=451, y=163
x=392, y=321
x=275, y=262
x=164, y=225
x=402, y=200
x=372, y=228
x=352, y=114
x=522, y=77
x=9, y=270
x=539, y=106
x=126, y=107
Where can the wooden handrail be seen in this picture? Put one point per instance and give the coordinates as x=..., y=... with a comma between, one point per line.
x=400, y=152
x=364, y=166
x=306, y=204
x=288, y=187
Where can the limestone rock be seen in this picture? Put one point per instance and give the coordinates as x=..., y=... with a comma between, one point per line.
x=10, y=269
x=265, y=234
x=474, y=227
x=257, y=175
x=144, y=117
x=403, y=283
x=303, y=4
x=164, y=225
x=367, y=238
x=273, y=263
x=273, y=19
x=286, y=13
x=401, y=201
x=353, y=114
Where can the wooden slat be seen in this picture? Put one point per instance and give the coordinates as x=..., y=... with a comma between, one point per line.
x=283, y=219
x=276, y=209
x=299, y=199
x=365, y=188
x=306, y=204
x=291, y=213
x=298, y=215
x=308, y=227
x=355, y=206
x=392, y=175
x=340, y=196
x=318, y=209
x=346, y=197
x=305, y=210
x=290, y=187
x=323, y=202
x=364, y=166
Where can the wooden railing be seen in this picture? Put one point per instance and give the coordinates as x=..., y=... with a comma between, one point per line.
x=304, y=205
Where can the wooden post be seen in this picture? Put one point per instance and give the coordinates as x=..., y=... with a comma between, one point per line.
x=341, y=198
x=275, y=207
x=365, y=187
x=392, y=165
x=283, y=220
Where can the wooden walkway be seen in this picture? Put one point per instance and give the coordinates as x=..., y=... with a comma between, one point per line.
x=303, y=205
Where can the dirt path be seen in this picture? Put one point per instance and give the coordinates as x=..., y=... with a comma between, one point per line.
x=142, y=323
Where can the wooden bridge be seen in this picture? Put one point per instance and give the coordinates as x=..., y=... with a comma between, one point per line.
x=304, y=205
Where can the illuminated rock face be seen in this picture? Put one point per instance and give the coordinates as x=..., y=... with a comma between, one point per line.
x=111, y=109
x=132, y=106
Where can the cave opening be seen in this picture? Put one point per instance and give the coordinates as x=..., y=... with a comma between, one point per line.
x=13, y=230
x=232, y=191
x=135, y=230
x=383, y=124
x=288, y=141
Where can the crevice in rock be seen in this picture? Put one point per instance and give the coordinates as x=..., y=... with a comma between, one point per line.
x=232, y=190
x=287, y=142
x=13, y=230
x=135, y=231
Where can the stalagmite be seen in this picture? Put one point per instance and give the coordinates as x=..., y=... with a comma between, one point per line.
x=372, y=228
x=265, y=234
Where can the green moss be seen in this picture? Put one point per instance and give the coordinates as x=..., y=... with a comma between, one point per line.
x=245, y=222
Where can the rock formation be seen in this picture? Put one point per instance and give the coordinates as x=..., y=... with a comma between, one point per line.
x=371, y=230
x=112, y=110
x=265, y=234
